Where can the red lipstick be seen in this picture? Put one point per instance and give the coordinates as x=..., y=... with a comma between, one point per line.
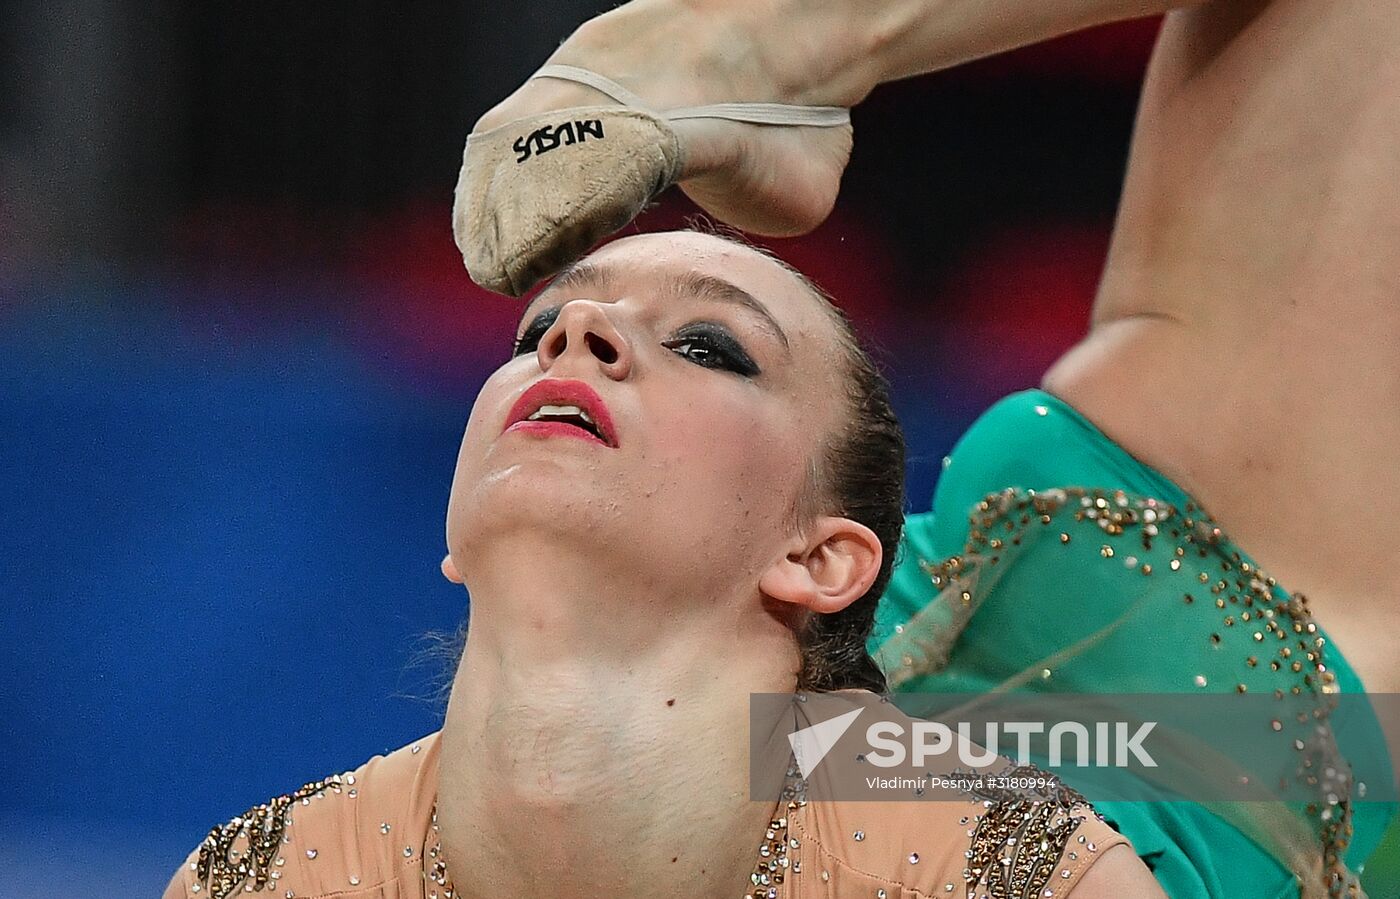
x=595, y=423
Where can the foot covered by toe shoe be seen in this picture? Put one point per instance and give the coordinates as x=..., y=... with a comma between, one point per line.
x=536, y=193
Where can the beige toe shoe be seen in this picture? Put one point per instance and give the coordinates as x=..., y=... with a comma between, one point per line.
x=536, y=193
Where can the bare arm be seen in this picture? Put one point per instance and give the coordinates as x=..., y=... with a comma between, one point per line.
x=1119, y=874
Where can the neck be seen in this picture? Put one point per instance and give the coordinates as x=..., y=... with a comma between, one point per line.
x=600, y=730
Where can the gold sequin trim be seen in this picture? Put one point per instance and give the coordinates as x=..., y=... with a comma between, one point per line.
x=1020, y=838
x=773, y=865
x=243, y=853
x=436, y=882
x=1238, y=591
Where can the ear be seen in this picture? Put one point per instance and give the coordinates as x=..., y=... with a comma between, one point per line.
x=449, y=570
x=827, y=568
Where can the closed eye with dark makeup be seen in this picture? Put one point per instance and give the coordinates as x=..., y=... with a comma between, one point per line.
x=705, y=343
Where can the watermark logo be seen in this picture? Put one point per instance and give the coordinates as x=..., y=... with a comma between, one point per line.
x=811, y=744
x=1113, y=745
x=893, y=744
x=1165, y=747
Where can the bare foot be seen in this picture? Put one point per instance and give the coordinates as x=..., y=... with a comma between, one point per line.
x=768, y=179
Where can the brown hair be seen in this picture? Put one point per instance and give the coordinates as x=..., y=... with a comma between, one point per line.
x=863, y=480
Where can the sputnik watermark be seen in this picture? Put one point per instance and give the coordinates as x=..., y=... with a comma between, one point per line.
x=811, y=744
x=1111, y=744
x=1237, y=747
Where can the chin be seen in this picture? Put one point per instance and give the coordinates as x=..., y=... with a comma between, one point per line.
x=539, y=497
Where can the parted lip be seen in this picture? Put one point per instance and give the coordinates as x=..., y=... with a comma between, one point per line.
x=560, y=392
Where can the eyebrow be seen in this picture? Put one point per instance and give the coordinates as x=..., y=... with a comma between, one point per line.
x=686, y=284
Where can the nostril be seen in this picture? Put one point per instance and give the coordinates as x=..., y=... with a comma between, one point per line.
x=601, y=348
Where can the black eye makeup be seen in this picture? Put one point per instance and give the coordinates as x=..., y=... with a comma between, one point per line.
x=704, y=343
x=529, y=339
x=711, y=346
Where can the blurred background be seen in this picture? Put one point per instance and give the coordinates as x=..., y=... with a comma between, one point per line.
x=238, y=349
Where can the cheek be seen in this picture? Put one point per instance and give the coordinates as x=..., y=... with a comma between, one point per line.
x=492, y=402
x=473, y=438
x=485, y=408
x=739, y=453
x=476, y=439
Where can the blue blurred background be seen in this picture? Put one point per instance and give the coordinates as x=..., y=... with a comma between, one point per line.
x=238, y=348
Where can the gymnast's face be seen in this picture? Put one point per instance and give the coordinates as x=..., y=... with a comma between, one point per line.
x=712, y=380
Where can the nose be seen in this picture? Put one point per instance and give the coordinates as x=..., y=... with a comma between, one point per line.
x=584, y=328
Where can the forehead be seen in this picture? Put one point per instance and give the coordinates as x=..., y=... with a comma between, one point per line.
x=644, y=264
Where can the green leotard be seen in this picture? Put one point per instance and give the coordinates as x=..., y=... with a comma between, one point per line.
x=1054, y=561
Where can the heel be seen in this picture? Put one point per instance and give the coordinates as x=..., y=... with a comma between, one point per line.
x=537, y=193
